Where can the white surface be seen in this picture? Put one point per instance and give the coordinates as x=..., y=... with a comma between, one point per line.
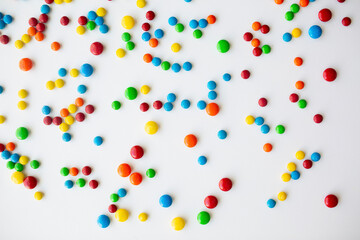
x=242, y=212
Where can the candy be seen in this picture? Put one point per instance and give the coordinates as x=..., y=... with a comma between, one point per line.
x=202, y=160
x=307, y=164
x=193, y=24
x=137, y=152
x=286, y=177
x=190, y=140
x=197, y=33
x=98, y=140
x=318, y=118
x=331, y=201
x=86, y=170
x=17, y=177
x=114, y=197
x=249, y=120
x=150, y=173
x=116, y=105
x=265, y=129
x=211, y=19
x=315, y=157
x=69, y=184
x=295, y=175
x=93, y=184
x=131, y=93
x=225, y=184
x=346, y=21
x=203, y=23
x=223, y=46
x=222, y=134
x=226, y=77
x=300, y=155
x=329, y=74
x=262, y=102
x=324, y=15
x=124, y=170
x=212, y=109
x=150, y=15
x=74, y=171
x=38, y=195
x=175, y=47
x=267, y=147
x=185, y=104
x=86, y=70
x=165, y=201
x=135, y=178
x=259, y=121
x=245, y=74
x=81, y=182
x=96, y=48
x=25, y=64
x=122, y=192
x=122, y=215
x=287, y=37
x=280, y=129
x=172, y=21
x=143, y=217
x=271, y=203
x=179, y=27
x=210, y=202
x=177, y=223
x=282, y=196
x=22, y=133
x=103, y=221
x=315, y=31
x=151, y=127
x=289, y=15
x=203, y=218
x=64, y=21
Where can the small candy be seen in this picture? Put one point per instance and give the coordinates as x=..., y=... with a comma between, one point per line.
x=150, y=173
x=329, y=74
x=93, y=184
x=287, y=37
x=103, y=221
x=212, y=109
x=66, y=137
x=286, y=177
x=307, y=164
x=265, y=129
x=69, y=184
x=137, y=152
x=211, y=19
x=225, y=184
x=25, y=64
x=262, y=102
x=86, y=70
x=203, y=23
x=143, y=217
x=203, y=218
x=315, y=31
x=64, y=21
x=295, y=8
x=197, y=33
x=249, y=120
x=245, y=74
x=346, y=21
x=282, y=196
x=202, y=160
x=185, y=104
x=159, y=33
x=291, y=166
x=135, y=178
x=315, y=157
x=295, y=175
x=331, y=201
x=122, y=215
x=267, y=147
x=30, y=182
x=114, y=197
x=193, y=24
x=223, y=46
x=264, y=29
x=271, y=203
x=289, y=15
x=190, y=140
x=144, y=107
x=98, y=140
x=131, y=93
x=17, y=177
x=179, y=27
x=172, y=21
x=212, y=95
x=318, y=118
x=187, y=66
x=168, y=106
x=226, y=77
x=150, y=15
x=222, y=134
x=294, y=97
x=86, y=170
x=300, y=155
x=22, y=133
x=122, y=192
x=175, y=47
x=38, y=195
x=178, y=223
x=165, y=201
x=248, y=36
x=96, y=48
x=259, y=121
x=128, y=22
x=210, y=202
x=201, y=105
x=324, y=15
x=280, y=129
x=112, y=208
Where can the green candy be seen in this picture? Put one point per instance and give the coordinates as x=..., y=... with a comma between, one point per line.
x=91, y=25
x=203, y=217
x=197, y=33
x=150, y=173
x=130, y=45
x=64, y=171
x=81, y=182
x=165, y=65
x=223, y=46
x=10, y=165
x=295, y=8
x=302, y=103
x=114, y=197
x=126, y=37
x=34, y=164
x=280, y=129
x=131, y=93
x=289, y=15
x=179, y=27
x=116, y=105
x=19, y=167
x=22, y=133
x=266, y=49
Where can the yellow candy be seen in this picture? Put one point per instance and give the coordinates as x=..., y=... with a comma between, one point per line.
x=69, y=120
x=140, y=3
x=64, y=127
x=17, y=177
x=296, y=32
x=101, y=12
x=80, y=30
x=58, y=1
x=59, y=83
x=2, y=119
x=178, y=223
x=286, y=177
x=74, y=72
x=22, y=93
x=68, y=1
x=24, y=160
x=145, y=89
x=249, y=119
x=151, y=127
x=22, y=105
x=143, y=217
x=120, y=53
x=26, y=38
x=72, y=108
x=300, y=155
x=291, y=166
x=38, y=195
x=175, y=47
x=282, y=196
x=19, y=44
x=128, y=22
x=122, y=215
x=50, y=85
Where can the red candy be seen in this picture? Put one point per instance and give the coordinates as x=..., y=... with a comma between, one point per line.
x=4, y=39
x=307, y=164
x=2, y=147
x=324, y=15
x=136, y=152
x=96, y=48
x=30, y=182
x=112, y=208
x=93, y=184
x=33, y=21
x=64, y=20
x=265, y=29
x=346, y=21
x=329, y=74
x=331, y=201
x=210, y=202
x=43, y=18
x=57, y=121
x=294, y=97
x=89, y=109
x=225, y=184
x=86, y=170
x=157, y=105
x=144, y=107
x=145, y=26
x=248, y=36
x=257, y=51
x=40, y=27
x=82, y=20
x=49, y=1
x=47, y=120
x=245, y=74
x=80, y=117
x=150, y=15
x=318, y=118
x=262, y=102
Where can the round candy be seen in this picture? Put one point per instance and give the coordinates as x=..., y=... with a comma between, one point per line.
x=259, y=121
x=265, y=29
x=331, y=201
x=223, y=46
x=150, y=15
x=178, y=223
x=98, y=140
x=96, y=48
x=74, y=171
x=210, y=202
x=150, y=173
x=122, y=215
x=172, y=21
x=176, y=67
x=185, y=104
x=211, y=19
x=202, y=160
x=193, y=24
x=300, y=155
x=315, y=31
x=265, y=129
x=64, y=20
x=38, y=195
x=226, y=77
x=222, y=134
x=112, y=208
x=287, y=37
x=159, y=33
x=190, y=140
x=225, y=184
x=93, y=184
x=318, y=118
x=17, y=177
x=329, y=74
x=346, y=21
x=267, y=147
x=34, y=164
x=262, y=102
x=295, y=175
x=197, y=33
x=324, y=15
x=294, y=97
x=69, y=184
x=151, y=127
x=248, y=36
x=22, y=133
x=282, y=196
x=66, y=137
x=257, y=51
x=64, y=171
x=212, y=109
x=271, y=203
x=315, y=157
x=211, y=85
x=245, y=74
x=286, y=177
x=25, y=64
x=114, y=197
x=280, y=129
x=212, y=95
x=187, y=66
x=165, y=201
x=131, y=93
x=157, y=105
x=295, y=8
x=168, y=106
x=249, y=119
x=86, y=70
x=179, y=27
x=144, y=107
x=203, y=218
x=128, y=22
x=122, y=192
x=143, y=217
x=116, y=105
x=201, y=105
x=86, y=170
x=203, y=23
x=289, y=15
x=307, y=164
x=103, y=221
x=136, y=152
x=302, y=103
x=175, y=47
x=135, y=178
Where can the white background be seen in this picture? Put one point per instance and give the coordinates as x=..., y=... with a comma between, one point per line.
x=242, y=212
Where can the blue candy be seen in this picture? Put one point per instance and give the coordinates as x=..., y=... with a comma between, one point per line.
x=212, y=95
x=81, y=89
x=211, y=85
x=287, y=37
x=201, y=105
x=99, y=21
x=159, y=33
x=193, y=24
x=265, y=128
x=122, y=192
x=69, y=184
x=172, y=21
x=187, y=66
x=171, y=97
x=98, y=140
x=227, y=77
x=103, y=221
x=2, y=24
x=271, y=203
x=156, y=61
x=185, y=104
x=66, y=137
x=168, y=106
x=104, y=28
x=46, y=110
x=1, y=89
x=92, y=15
x=176, y=67
x=315, y=156
x=146, y=36
x=202, y=160
x=315, y=31
x=5, y=155
x=8, y=19
x=222, y=134
x=15, y=157
x=295, y=175
x=62, y=72
x=259, y=121
x=45, y=9
x=86, y=70
x=165, y=201
x=203, y=23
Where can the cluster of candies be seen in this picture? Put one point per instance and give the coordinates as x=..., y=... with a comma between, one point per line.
x=280, y=129
x=58, y=1
x=130, y=45
x=22, y=105
x=4, y=21
x=93, y=20
x=202, y=23
x=36, y=29
x=146, y=36
x=165, y=65
x=18, y=162
x=80, y=182
x=255, y=42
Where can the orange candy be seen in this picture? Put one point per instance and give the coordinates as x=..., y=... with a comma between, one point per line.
x=10, y=146
x=212, y=109
x=79, y=102
x=25, y=64
x=279, y=1
x=31, y=31
x=74, y=171
x=124, y=170
x=64, y=112
x=256, y=26
x=147, y=58
x=135, y=178
x=39, y=36
x=299, y=85
x=211, y=19
x=55, y=46
x=255, y=42
x=304, y=3
x=190, y=140
x=298, y=61
x=153, y=42
x=267, y=147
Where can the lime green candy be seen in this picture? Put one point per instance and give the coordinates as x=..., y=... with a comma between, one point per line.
x=126, y=37
x=266, y=49
x=116, y=105
x=289, y=15
x=179, y=27
x=197, y=33
x=22, y=133
x=131, y=93
x=91, y=25
x=114, y=197
x=150, y=173
x=223, y=46
x=10, y=165
x=165, y=65
x=19, y=167
x=280, y=129
x=203, y=217
x=130, y=45
x=81, y=182
x=295, y=8
x=302, y=103
x=64, y=171
x=35, y=164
